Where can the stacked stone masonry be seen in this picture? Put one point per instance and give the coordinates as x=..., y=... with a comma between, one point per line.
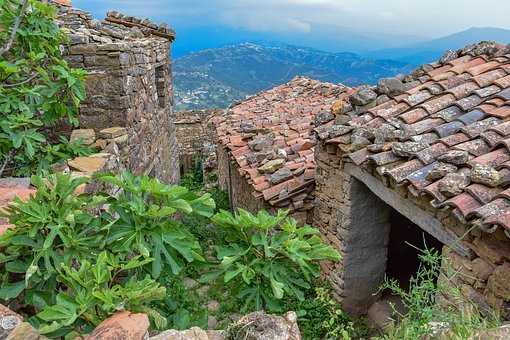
x=435, y=141
x=196, y=138
x=129, y=84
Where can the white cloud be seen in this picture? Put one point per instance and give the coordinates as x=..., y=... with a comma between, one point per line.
x=421, y=17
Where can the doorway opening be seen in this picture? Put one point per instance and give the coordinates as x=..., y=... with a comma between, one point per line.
x=406, y=243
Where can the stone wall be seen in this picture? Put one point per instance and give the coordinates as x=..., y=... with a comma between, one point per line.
x=129, y=84
x=195, y=136
x=349, y=217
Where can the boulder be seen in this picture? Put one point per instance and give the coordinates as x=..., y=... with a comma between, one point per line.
x=9, y=320
x=123, y=325
x=261, y=326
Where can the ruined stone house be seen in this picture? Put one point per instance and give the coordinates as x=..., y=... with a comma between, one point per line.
x=129, y=84
x=196, y=139
x=265, y=150
x=421, y=159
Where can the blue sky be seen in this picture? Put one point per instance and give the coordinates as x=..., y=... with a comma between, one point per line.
x=303, y=19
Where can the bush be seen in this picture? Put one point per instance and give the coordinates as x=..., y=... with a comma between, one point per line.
x=267, y=257
x=72, y=263
x=38, y=88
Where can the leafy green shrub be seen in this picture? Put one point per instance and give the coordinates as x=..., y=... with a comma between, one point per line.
x=267, y=257
x=37, y=87
x=93, y=293
x=140, y=221
x=67, y=252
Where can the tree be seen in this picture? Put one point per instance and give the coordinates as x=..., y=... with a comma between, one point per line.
x=38, y=89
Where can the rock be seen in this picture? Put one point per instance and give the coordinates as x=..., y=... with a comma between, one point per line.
x=482, y=269
x=247, y=127
x=364, y=96
x=498, y=281
x=87, y=136
x=189, y=283
x=340, y=107
x=391, y=86
x=213, y=306
x=87, y=164
x=456, y=157
x=359, y=142
x=448, y=56
x=339, y=130
x=408, y=149
x=323, y=117
x=501, y=333
x=485, y=174
x=15, y=182
x=281, y=153
x=261, y=326
x=112, y=132
x=440, y=170
x=194, y=333
x=280, y=176
x=25, y=331
x=272, y=166
x=385, y=311
x=9, y=320
x=261, y=142
x=212, y=322
x=453, y=184
x=122, y=325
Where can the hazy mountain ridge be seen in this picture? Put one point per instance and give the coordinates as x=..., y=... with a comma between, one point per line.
x=431, y=50
x=217, y=77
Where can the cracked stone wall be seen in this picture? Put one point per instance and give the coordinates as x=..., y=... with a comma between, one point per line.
x=129, y=84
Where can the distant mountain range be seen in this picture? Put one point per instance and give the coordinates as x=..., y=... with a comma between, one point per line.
x=424, y=52
x=217, y=77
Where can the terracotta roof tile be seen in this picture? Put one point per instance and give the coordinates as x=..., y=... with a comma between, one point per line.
x=464, y=105
x=277, y=124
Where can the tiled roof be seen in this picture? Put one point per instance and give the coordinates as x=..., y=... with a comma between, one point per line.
x=444, y=133
x=270, y=137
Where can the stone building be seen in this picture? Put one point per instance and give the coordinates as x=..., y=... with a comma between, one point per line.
x=129, y=84
x=196, y=138
x=265, y=150
x=421, y=159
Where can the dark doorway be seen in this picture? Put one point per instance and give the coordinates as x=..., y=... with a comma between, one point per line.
x=406, y=241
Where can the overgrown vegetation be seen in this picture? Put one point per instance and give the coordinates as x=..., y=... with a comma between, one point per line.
x=265, y=257
x=459, y=319
x=38, y=89
x=71, y=263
